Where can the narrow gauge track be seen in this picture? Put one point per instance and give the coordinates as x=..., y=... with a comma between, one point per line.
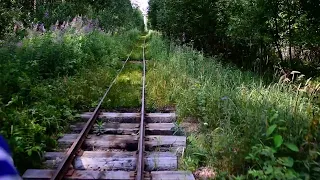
x=133, y=146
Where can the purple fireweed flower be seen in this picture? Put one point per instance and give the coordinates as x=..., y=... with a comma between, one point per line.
x=19, y=44
x=46, y=14
x=53, y=27
x=87, y=29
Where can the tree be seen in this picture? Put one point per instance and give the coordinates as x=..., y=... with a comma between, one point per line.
x=255, y=34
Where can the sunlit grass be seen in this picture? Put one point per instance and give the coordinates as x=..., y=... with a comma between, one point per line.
x=51, y=78
x=137, y=50
x=231, y=106
x=126, y=92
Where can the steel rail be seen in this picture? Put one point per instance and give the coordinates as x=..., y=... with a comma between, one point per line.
x=141, y=147
x=66, y=162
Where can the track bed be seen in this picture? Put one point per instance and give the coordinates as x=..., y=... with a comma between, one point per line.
x=113, y=154
x=112, y=145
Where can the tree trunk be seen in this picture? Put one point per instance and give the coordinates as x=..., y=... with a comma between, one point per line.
x=289, y=26
x=276, y=40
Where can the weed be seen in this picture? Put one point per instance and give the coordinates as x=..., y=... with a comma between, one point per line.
x=271, y=159
x=98, y=128
x=231, y=106
x=49, y=79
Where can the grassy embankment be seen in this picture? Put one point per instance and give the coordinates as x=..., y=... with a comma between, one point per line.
x=47, y=79
x=243, y=126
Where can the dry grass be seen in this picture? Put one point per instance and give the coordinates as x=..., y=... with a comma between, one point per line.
x=205, y=173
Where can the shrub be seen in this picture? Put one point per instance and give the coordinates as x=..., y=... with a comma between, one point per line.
x=47, y=79
x=232, y=107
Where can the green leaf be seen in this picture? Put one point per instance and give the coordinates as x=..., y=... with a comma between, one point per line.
x=29, y=151
x=292, y=147
x=271, y=129
x=268, y=169
x=199, y=154
x=282, y=128
x=290, y=174
x=316, y=169
x=286, y=161
x=277, y=139
x=274, y=116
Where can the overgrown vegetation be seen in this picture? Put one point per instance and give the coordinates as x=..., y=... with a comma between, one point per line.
x=254, y=34
x=248, y=129
x=111, y=15
x=58, y=57
x=48, y=77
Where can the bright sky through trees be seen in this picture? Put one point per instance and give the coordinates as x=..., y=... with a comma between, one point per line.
x=143, y=6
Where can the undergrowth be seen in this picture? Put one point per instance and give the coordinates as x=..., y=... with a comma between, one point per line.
x=47, y=78
x=236, y=112
x=128, y=83
x=126, y=92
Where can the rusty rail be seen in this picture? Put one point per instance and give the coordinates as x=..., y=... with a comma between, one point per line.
x=66, y=162
x=141, y=147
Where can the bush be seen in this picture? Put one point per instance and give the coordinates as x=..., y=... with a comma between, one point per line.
x=50, y=13
x=233, y=108
x=112, y=16
x=46, y=78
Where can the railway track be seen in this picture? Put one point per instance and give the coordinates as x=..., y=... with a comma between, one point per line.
x=117, y=146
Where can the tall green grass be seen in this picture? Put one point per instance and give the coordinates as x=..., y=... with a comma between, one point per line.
x=47, y=79
x=232, y=107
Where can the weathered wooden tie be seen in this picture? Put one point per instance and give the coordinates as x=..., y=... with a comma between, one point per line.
x=46, y=174
x=125, y=161
x=130, y=128
x=113, y=153
x=127, y=142
x=133, y=117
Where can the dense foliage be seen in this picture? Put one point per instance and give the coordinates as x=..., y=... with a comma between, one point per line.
x=112, y=15
x=47, y=79
x=48, y=76
x=248, y=128
x=242, y=127
x=255, y=34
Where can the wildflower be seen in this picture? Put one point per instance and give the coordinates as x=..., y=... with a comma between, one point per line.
x=46, y=14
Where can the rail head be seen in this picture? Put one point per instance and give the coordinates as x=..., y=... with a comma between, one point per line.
x=141, y=146
x=73, y=150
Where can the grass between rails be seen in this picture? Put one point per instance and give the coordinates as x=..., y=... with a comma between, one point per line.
x=137, y=50
x=126, y=92
x=247, y=129
x=49, y=78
